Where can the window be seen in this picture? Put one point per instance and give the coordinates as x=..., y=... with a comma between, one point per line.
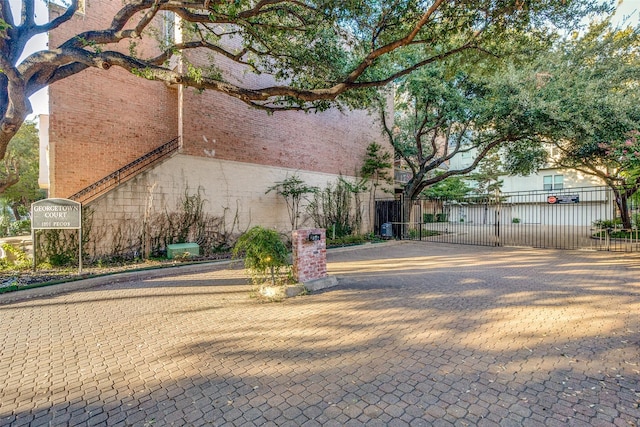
x=168, y=27
x=553, y=182
x=558, y=182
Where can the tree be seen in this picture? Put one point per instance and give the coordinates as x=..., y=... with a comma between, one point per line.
x=440, y=115
x=452, y=188
x=265, y=254
x=589, y=102
x=293, y=190
x=487, y=176
x=318, y=51
x=21, y=181
x=376, y=167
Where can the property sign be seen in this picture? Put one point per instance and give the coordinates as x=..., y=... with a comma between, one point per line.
x=563, y=200
x=56, y=214
x=51, y=214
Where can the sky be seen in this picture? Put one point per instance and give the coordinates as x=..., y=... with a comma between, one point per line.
x=627, y=10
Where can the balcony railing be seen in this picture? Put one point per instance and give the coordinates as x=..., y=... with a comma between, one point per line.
x=402, y=176
x=127, y=172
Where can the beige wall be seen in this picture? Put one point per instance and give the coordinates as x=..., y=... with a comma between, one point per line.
x=233, y=190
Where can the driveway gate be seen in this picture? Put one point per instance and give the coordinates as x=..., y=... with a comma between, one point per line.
x=577, y=218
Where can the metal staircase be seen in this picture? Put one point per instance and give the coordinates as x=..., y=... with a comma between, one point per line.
x=127, y=172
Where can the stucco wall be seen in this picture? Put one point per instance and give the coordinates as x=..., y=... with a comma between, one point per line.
x=233, y=190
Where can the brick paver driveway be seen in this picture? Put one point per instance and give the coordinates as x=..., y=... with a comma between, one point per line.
x=415, y=334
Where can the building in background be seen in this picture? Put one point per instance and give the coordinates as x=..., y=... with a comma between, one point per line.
x=101, y=122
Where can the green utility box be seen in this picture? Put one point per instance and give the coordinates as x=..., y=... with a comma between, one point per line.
x=179, y=249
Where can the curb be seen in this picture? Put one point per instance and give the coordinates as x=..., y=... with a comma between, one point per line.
x=92, y=282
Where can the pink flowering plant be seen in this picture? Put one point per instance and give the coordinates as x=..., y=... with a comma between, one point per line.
x=626, y=153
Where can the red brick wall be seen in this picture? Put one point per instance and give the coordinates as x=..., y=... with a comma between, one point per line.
x=217, y=125
x=102, y=120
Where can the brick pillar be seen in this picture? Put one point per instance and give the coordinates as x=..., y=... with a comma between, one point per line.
x=309, y=255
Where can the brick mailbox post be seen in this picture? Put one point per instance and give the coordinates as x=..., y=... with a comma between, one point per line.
x=310, y=259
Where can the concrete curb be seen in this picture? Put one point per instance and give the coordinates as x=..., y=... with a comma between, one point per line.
x=124, y=277
x=51, y=290
x=368, y=246
x=321, y=283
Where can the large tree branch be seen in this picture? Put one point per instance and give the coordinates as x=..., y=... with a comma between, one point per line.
x=96, y=48
x=11, y=174
x=56, y=22
x=453, y=172
x=27, y=13
x=377, y=53
x=17, y=109
x=169, y=53
x=392, y=141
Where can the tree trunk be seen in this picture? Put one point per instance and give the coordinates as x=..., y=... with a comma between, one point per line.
x=13, y=111
x=8, y=182
x=16, y=213
x=410, y=193
x=622, y=202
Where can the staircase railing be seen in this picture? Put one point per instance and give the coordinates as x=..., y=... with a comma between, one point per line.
x=127, y=172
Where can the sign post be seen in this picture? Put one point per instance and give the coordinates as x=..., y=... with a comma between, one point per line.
x=55, y=214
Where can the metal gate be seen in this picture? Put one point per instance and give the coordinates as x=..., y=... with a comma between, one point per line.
x=577, y=218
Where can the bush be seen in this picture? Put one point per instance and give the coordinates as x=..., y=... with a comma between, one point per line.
x=608, y=223
x=332, y=209
x=265, y=254
x=15, y=259
x=347, y=240
x=21, y=227
x=426, y=218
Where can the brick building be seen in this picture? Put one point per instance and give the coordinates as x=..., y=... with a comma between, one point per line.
x=102, y=120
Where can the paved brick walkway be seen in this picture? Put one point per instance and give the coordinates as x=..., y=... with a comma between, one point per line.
x=415, y=334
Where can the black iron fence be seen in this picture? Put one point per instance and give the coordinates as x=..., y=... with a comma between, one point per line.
x=576, y=218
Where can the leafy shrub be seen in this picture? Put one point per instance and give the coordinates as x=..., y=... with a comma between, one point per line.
x=21, y=227
x=5, y=222
x=608, y=223
x=347, y=240
x=15, y=259
x=265, y=254
x=332, y=209
x=442, y=217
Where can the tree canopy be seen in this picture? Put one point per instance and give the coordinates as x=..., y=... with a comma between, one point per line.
x=588, y=99
x=441, y=116
x=318, y=51
x=19, y=171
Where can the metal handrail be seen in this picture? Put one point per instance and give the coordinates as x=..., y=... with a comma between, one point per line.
x=127, y=172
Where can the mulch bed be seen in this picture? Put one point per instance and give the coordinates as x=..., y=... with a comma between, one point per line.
x=12, y=280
